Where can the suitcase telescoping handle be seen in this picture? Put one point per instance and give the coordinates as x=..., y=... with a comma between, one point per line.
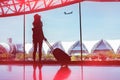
x=49, y=45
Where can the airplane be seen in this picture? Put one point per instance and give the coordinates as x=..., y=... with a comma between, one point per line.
x=66, y=13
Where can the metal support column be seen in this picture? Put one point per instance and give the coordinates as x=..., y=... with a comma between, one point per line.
x=80, y=24
x=24, y=31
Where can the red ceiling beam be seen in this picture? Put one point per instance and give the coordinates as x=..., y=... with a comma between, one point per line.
x=16, y=7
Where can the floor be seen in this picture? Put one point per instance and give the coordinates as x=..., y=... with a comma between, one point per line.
x=57, y=72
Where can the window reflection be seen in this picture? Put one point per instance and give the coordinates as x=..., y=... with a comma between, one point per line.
x=35, y=75
x=63, y=73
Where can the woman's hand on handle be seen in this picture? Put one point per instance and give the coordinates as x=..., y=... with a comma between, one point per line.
x=45, y=39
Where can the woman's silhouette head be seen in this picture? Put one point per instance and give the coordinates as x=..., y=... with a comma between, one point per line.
x=37, y=16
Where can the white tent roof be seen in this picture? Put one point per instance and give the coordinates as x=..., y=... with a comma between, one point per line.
x=89, y=45
x=102, y=45
x=76, y=48
x=19, y=48
x=28, y=46
x=118, y=50
x=5, y=46
x=56, y=45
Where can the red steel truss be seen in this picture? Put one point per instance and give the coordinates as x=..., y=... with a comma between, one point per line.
x=19, y=7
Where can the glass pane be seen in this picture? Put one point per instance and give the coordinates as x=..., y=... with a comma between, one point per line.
x=100, y=23
x=11, y=38
x=60, y=27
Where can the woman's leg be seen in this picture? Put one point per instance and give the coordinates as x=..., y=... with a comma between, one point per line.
x=34, y=52
x=40, y=50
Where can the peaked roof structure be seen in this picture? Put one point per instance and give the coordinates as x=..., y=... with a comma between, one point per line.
x=102, y=45
x=118, y=50
x=76, y=48
x=56, y=45
x=19, y=48
x=3, y=49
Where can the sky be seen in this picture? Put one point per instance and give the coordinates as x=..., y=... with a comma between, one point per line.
x=99, y=20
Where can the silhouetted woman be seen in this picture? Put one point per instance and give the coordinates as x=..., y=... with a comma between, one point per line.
x=38, y=36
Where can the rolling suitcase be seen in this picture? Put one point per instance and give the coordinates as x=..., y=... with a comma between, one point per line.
x=60, y=55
